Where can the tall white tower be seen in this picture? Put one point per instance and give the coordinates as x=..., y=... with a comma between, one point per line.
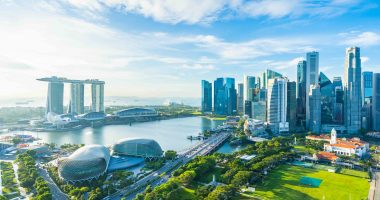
x=333, y=136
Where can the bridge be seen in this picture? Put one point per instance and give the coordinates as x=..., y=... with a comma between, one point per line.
x=162, y=175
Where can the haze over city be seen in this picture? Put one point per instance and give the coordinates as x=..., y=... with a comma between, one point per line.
x=164, y=48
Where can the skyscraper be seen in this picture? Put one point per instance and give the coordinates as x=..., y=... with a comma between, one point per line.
x=376, y=102
x=206, y=96
x=327, y=98
x=230, y=90
x=277, y=105
x=291, y=113
x=367, y=100
x=97, y=95
x=219, y=96
x=76, y=105
x=240, y=98
x=55, y=98
x=312, y=72
x=352, y=88
x=269, y=74
x=315, y=109
x=301, y=94
x=249, y=85
x=248, y=108
x=338, y=102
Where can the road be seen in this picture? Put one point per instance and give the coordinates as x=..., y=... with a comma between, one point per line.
x=54, y=189
x=154, y=179
x=374, y=190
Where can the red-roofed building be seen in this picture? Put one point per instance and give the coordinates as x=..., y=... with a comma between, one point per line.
x=353, y=146
x=323, y=155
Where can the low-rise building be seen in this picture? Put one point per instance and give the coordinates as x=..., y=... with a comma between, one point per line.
x=254, y=127
x=326, y=156
x=346, y=147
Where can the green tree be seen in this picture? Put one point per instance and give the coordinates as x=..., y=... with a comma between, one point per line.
x=187, y=177
x=241, y=178
x=170, y=154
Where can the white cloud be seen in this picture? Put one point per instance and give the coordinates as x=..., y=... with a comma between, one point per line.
x=361, y=39
x=207, y=11
x=364, y=59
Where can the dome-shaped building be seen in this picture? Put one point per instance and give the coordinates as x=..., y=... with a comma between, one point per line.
x=86, y=163
x=139, y=147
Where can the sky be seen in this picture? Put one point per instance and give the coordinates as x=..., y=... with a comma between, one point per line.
x=164, y=48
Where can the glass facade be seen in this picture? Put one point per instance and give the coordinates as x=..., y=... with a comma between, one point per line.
x=55, y=98
x=206, y=96
x=146, y=148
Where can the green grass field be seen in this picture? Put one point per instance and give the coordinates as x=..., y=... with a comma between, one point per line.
x=283, y=183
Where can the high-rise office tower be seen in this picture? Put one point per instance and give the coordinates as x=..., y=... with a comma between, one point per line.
x=352, y=88
x=258, y=105
x=248, y=108
x=327, y=98
x=76, y=105
x=312, y=72
x=206, y=96
x=277, y=105
x=367, y=100
x=219, y=96
x=249, y=85
x=55, y=98
x=269, y=74
x=240, y=98
x=338, y=101
x=231, y=105
x=315, y=109
x=258, y=82
x=97, y=95
x=291, y=113
x=301, y=94
x=376, y=102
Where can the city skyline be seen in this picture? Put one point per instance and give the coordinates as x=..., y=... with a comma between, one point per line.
x=147, y=53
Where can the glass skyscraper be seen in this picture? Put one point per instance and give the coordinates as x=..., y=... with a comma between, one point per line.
x=249, y=86
x=312, y=72
x=206, y=96
x=55, y=98
x=231, y=97
x=367, y=100
x=76, y=105
x=291, y=114
x=327, y=98
x=315, y=109
x=240, y=98
x=277, y=105
x=376, y=102
x=219, y=97
x=301, y=94
x=97, y=95
x=352, y=88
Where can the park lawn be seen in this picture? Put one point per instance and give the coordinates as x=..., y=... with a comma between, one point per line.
x=208, y=177
x=186, y=194
x=283, y=183
x=303, y=149
x=361, y=174
x=196, y=113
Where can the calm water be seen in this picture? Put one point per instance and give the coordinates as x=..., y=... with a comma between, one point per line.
x=170, y=134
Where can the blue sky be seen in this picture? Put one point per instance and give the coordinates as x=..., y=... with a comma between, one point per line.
x=163, y=48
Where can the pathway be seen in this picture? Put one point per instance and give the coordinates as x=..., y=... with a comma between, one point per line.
x=54, y=189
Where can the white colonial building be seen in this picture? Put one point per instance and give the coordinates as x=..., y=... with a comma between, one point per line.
x=254, y=127
x=346, y=147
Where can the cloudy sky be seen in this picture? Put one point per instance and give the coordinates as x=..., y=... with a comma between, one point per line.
x=163, y=48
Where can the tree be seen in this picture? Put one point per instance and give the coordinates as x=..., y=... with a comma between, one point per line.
x=222, y=192
x=241, y=178
x=187, y=177
x=170, y=154
x=95, y=194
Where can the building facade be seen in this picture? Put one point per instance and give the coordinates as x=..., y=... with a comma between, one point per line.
x=219, y=96
x=312, y=73
x=76, y=105
x=55, y=98
x=315, y=109
x=240, y=98
x=376, y=102
x=291, y=113
x=352, y=88
x=97, y=95
x=277, y=105
x=301, y=94
x=367, y=100
x=338, y=101
x=206, y=97
x=231, y=97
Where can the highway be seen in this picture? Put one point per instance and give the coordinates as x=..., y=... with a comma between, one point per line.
x=54, y=189
x=154, y=179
